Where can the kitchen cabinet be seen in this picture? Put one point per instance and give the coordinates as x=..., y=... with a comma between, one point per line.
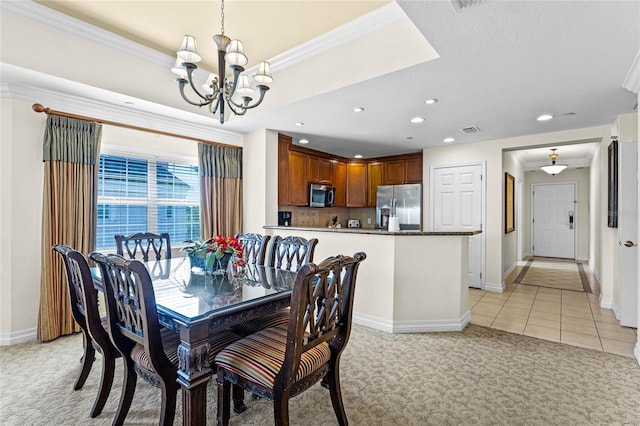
x=375, y=177
x=339, y=171
x=413, y=170
x=319, y=170
x=297, y=179
x=401, y=171
x=356, y=184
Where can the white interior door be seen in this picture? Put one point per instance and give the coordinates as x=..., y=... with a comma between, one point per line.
x=458, y=198
x=628, y=233
x=554, y=219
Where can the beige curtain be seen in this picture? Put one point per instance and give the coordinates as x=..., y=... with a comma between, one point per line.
x=220, y=190
x=71, y=151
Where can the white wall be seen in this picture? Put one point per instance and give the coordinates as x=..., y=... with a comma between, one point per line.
x=582, y=180
x=491, y=152
x=21, y=219
x=260, y=180
x=511, y=165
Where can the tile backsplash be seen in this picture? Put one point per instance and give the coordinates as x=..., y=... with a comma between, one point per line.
x=321, y=217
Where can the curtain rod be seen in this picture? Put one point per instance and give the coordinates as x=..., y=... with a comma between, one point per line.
x=49, y=111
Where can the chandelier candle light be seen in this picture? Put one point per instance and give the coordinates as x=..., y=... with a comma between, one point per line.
x=218, y=89
x=553, y=169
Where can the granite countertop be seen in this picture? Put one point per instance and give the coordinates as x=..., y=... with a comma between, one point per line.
x=371, y=231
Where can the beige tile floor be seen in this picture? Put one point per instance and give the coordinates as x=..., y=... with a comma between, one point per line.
x=565, y=316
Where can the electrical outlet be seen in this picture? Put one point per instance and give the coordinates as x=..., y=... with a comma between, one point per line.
x=368, y=221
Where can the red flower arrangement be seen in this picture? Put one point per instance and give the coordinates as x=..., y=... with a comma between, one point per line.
x=215, y=248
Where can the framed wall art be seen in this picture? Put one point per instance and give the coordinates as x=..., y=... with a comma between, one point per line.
x=509, y=203
x=612, y=185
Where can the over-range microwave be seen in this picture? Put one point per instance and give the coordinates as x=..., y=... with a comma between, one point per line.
x=321, y=195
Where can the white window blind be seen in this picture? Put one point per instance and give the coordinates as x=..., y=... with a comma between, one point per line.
x=146, y=195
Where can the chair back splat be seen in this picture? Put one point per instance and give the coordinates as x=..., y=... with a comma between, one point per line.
x=144, y=245
x=254, y=247
x=282, y=361
x=85, y=311
x=291, y=253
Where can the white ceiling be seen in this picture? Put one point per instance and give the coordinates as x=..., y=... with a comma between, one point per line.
x=497, y=66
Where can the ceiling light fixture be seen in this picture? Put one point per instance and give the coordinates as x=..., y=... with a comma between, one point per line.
x=544, y=117
x=448, y=140
x=416, y=120
x=357, y=156
x=219, y=90
x=553, y=169
x=304, y=141
x=358, y=109
x=430, y=101
x=299, y=123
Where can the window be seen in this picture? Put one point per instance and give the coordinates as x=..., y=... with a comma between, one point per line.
x=145, y=195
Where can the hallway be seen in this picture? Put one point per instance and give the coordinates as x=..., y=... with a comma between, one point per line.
x=541, y=311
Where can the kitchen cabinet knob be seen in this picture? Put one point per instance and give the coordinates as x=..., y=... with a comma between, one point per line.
x=629, y=244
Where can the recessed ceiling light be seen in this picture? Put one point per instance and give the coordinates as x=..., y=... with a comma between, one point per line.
x=448, y=140
x=416, y=120
x=544, y=117
x=409, y=137
x=358, y=109
x=304, y=141
x=569, y=113
x=357, y=156
x=299, y=123
x=128, y=103
x=430, y=101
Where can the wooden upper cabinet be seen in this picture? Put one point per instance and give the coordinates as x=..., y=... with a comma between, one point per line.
x=297, y=179
x=375, y=178
x=394, y=172
x=397, y=172
x=319, y=170
x=340, y=182
x=413, y=170
x=356, y=184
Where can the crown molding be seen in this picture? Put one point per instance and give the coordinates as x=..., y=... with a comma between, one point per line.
x=632, y=80
x=378, y=18
x=170, y=122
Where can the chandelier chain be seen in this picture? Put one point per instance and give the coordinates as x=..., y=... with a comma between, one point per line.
x=222, y=17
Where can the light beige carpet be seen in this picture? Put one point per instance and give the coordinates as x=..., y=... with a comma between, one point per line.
x=554, y=273
x=480, y=376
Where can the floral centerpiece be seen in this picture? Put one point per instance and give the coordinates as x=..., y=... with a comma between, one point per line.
x=215, y=253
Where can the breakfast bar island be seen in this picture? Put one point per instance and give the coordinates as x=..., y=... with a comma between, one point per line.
x=411, y=281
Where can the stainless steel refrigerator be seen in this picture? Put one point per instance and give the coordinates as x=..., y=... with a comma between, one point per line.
x=403, y=201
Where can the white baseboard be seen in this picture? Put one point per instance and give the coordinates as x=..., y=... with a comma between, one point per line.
x=636, y=352
x=497, y=288
x=582, y=259
x=508, y=271
x=606, y=303
x=413, y=326
x=525, y=255
x=8, y=339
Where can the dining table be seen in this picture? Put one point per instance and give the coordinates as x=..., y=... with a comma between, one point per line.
x=197, y=304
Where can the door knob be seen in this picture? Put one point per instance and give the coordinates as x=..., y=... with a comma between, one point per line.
x=629, y=244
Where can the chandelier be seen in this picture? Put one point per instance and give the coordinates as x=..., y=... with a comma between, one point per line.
x=235, y=91
x=553, y=168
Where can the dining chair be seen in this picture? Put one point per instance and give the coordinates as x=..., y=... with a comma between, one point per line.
x=254, y=247
x=280, y=362
x=142, y=244
x=85, y=311
x=148, y=350
x=288, y=253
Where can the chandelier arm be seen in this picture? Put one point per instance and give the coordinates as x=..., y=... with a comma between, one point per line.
x=232, y=107
x=263, y=90
x=181, y=83
x=237, y=69
x=190, y=68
